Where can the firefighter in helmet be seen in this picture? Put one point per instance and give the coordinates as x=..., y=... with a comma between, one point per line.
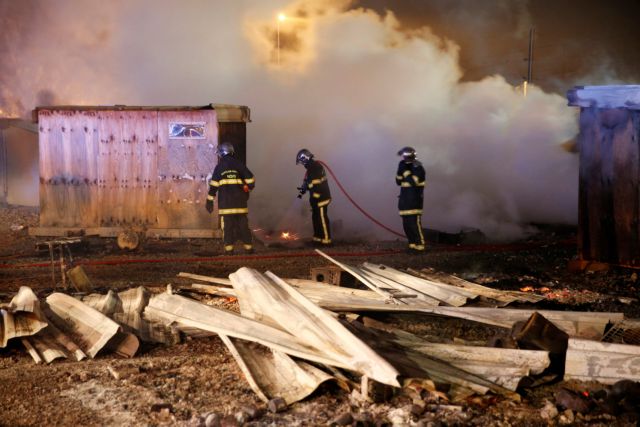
x=315, y=182
x=411, y=179
x=231, y=181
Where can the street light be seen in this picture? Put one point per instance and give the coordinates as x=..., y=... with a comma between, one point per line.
x=281, y=18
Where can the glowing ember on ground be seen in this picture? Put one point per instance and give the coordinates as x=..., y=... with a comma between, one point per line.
x=286, y=235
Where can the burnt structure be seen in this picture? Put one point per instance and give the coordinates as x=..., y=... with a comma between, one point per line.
x=110, y=170
x=609, y=196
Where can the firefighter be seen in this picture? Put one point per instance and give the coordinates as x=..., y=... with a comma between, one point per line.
x=231, y=181
x=315, y=182
x=411, y=178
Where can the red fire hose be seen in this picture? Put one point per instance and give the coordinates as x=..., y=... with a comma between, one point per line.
x=353, y=202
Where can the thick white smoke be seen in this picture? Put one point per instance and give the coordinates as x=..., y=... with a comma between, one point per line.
x=350, y=87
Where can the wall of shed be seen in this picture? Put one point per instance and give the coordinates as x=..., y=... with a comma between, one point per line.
x=120, y=169
x=609, y=197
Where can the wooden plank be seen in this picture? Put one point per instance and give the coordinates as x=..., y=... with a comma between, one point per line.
x=626, y=158
x=84, y=157
x=505, y=367
x=126, y=309
x=22, y=317
x=109, y=174
x=447, y=294
x=274, y=374
x=128, y=177
x=50, y=154
x=348, y=301
x=505, y=297
x=398, y=290
x=89, y=328
x=271, y=300
x=183, y=166
x=66, y=169
x=187, y=313
x=355, y=272
x=414, y=364
x=603, y=362
x=575, y=323
x=50, y=344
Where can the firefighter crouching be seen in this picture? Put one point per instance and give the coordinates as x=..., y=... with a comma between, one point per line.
x=231, y=182
x=411, y=179
x=315, y=182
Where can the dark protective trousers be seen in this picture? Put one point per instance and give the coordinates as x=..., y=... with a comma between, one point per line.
x=321, y=225
x=235, y=227
x=412, y=225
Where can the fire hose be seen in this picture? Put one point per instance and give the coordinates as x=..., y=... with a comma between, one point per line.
x=353, y=202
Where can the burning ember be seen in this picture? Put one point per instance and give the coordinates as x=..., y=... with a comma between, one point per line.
x=273, y=236
x=286, y=235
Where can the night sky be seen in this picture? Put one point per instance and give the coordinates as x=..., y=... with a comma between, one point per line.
x=577, y=42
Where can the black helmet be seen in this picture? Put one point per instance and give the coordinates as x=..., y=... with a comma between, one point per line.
x=407, y=153
x=225, y=149
x=304, y=156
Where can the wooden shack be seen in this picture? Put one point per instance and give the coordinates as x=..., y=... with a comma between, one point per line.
x=609, y=196
x=117, y=171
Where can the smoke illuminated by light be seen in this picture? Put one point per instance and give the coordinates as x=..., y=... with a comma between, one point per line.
x=351, y=87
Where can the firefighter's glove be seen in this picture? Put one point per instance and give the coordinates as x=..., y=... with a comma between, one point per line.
x=245, y=188
x=209, y=206
x=301, y=192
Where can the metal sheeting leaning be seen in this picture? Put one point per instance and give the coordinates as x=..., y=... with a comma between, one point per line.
x=22, y=317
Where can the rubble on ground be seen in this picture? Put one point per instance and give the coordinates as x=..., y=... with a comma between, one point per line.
x=291, y=337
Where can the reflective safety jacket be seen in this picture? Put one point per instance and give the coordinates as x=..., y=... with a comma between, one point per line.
x=316, y=183
x=228, y=181
x=411, y=179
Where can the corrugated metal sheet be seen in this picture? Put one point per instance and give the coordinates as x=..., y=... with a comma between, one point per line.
x=22, y=317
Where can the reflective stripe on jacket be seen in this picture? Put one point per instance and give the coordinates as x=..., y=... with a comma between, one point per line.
x=411, y=179
x=227, y=182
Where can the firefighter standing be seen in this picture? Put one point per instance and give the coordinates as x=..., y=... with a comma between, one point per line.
x=315, y=182
x=411, y=178
x=231, y=181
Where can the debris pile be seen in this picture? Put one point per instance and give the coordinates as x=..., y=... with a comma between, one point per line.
x=292, y=335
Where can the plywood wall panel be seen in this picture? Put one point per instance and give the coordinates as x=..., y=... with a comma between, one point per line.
x=183, y=165
x=67, y=168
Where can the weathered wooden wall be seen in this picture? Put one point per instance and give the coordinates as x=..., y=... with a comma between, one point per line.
x=68, y=169
x=119, y=169
x=609, y=199
x=183, y=166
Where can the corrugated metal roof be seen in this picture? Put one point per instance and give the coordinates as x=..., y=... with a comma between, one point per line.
x=225, y=112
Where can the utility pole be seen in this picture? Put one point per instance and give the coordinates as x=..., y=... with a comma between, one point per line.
x=532, y=32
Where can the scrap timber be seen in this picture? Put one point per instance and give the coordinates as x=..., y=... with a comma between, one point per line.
x=603, y=362
x=292, y=335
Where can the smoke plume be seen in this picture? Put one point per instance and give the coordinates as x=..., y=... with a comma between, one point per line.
x=347, y=83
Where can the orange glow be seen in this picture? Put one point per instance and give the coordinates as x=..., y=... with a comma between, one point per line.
x=285, y=235
x=281, y=17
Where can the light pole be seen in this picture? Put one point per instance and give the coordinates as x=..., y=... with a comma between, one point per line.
x=281, y=18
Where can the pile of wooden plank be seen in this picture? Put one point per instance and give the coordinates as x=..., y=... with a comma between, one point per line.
x=62, y=326
x=291, y=335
